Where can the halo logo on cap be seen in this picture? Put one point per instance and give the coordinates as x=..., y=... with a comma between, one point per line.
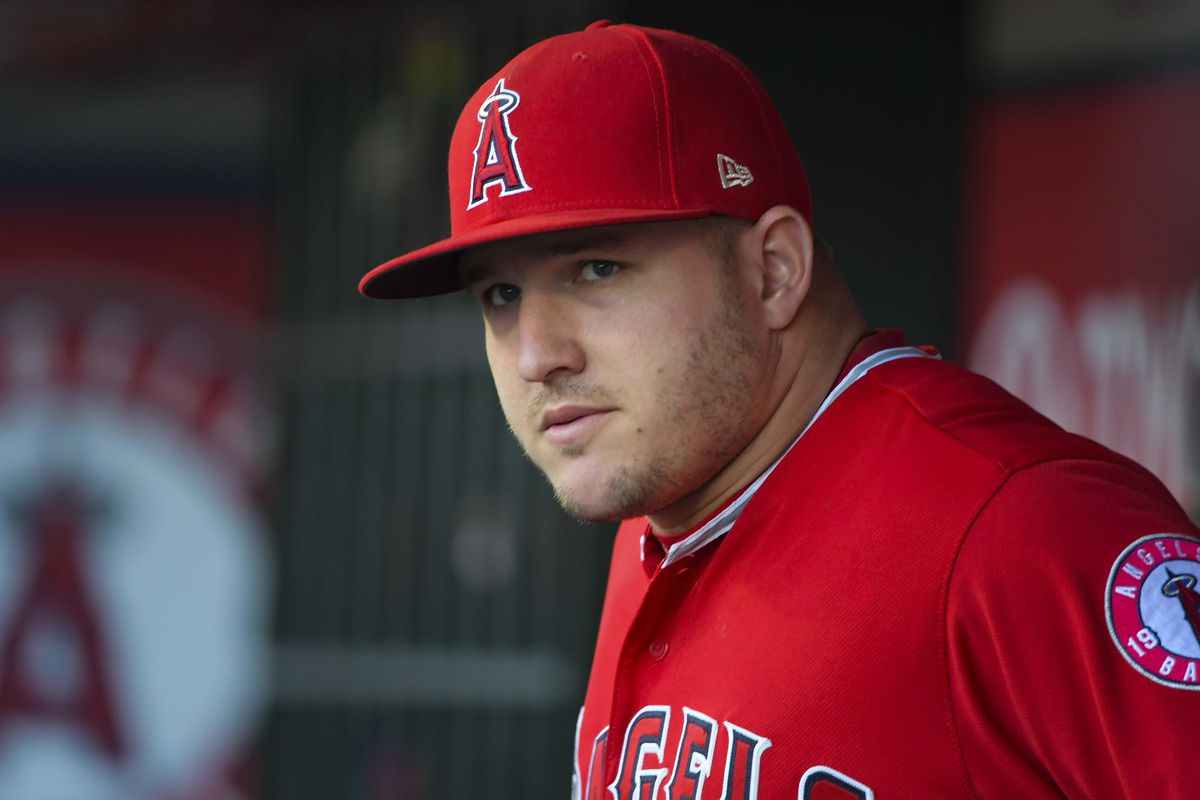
x=496, y=152
x=1153, y=605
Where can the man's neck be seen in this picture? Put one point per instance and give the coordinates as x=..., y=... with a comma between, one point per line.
x=809, y=365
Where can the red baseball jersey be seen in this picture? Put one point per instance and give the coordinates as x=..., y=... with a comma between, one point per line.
x=936, y=593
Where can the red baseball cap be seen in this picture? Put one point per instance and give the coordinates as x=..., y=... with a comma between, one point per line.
x=612, y=124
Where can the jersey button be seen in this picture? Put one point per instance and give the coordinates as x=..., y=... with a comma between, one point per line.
x=658, y=650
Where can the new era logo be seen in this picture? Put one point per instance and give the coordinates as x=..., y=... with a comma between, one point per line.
x=732, y=173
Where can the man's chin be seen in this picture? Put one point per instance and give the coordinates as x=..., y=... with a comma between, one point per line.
x=615, y=497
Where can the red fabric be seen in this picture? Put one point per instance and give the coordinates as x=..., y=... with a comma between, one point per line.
x=609, y=125
x=914, y=601
x=655, y=544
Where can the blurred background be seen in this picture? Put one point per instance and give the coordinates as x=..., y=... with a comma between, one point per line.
x=260, y=538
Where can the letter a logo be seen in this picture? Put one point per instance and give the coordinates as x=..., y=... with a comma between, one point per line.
x=496, y=153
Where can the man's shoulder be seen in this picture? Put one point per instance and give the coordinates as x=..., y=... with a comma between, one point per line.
x=1045, y=484
x=983, y=416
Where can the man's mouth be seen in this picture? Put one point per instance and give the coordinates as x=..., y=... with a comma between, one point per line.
x=567, y=424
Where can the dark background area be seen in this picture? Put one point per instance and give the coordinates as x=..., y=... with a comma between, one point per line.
x=875, y=97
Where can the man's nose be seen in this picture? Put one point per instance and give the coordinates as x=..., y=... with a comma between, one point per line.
x=549, y=341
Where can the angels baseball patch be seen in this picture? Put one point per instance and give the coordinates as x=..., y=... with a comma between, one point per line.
x=1153, y=606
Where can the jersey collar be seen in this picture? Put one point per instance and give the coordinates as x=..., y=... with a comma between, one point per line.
x=866, y=356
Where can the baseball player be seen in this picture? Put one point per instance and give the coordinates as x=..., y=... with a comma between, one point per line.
x=847, y=568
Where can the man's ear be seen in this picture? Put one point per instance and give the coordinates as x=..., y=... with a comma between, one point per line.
x=783, y=246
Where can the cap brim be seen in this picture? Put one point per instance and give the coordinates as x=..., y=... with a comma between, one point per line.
x=433, y=269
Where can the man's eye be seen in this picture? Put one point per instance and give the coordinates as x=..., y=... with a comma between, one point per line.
x=501, y=294
x=598, y=270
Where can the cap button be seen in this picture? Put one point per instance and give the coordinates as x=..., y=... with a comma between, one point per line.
x=600, y=23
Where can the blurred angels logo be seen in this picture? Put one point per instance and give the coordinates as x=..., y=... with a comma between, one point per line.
x=53, y=656
x=133, y=567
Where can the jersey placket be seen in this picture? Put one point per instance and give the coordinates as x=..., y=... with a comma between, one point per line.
x=646, y=648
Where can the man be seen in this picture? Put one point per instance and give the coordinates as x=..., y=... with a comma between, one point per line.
x=847, y=569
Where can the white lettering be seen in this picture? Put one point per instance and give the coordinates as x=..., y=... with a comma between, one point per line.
x=1127, y=591
x=1162, y=548
x=745, y=752
x=644, y=766
x=694, y=756
x=841, y=784
x=1145, y=555
x=576, y=780
x=1134, y=571
x=1167, y=665
x=645, y=737
x=1189, y=674
x=1178, y=548
x=31, y=332
x=1134, y=647
x=111, y=347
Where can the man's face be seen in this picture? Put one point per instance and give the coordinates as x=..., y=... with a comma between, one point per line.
x=629, y=360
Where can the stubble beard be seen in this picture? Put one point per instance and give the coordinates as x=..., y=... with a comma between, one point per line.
x=627, y=491
x=705, y=401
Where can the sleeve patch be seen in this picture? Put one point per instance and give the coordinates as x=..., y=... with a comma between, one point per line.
x=1152, y=602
